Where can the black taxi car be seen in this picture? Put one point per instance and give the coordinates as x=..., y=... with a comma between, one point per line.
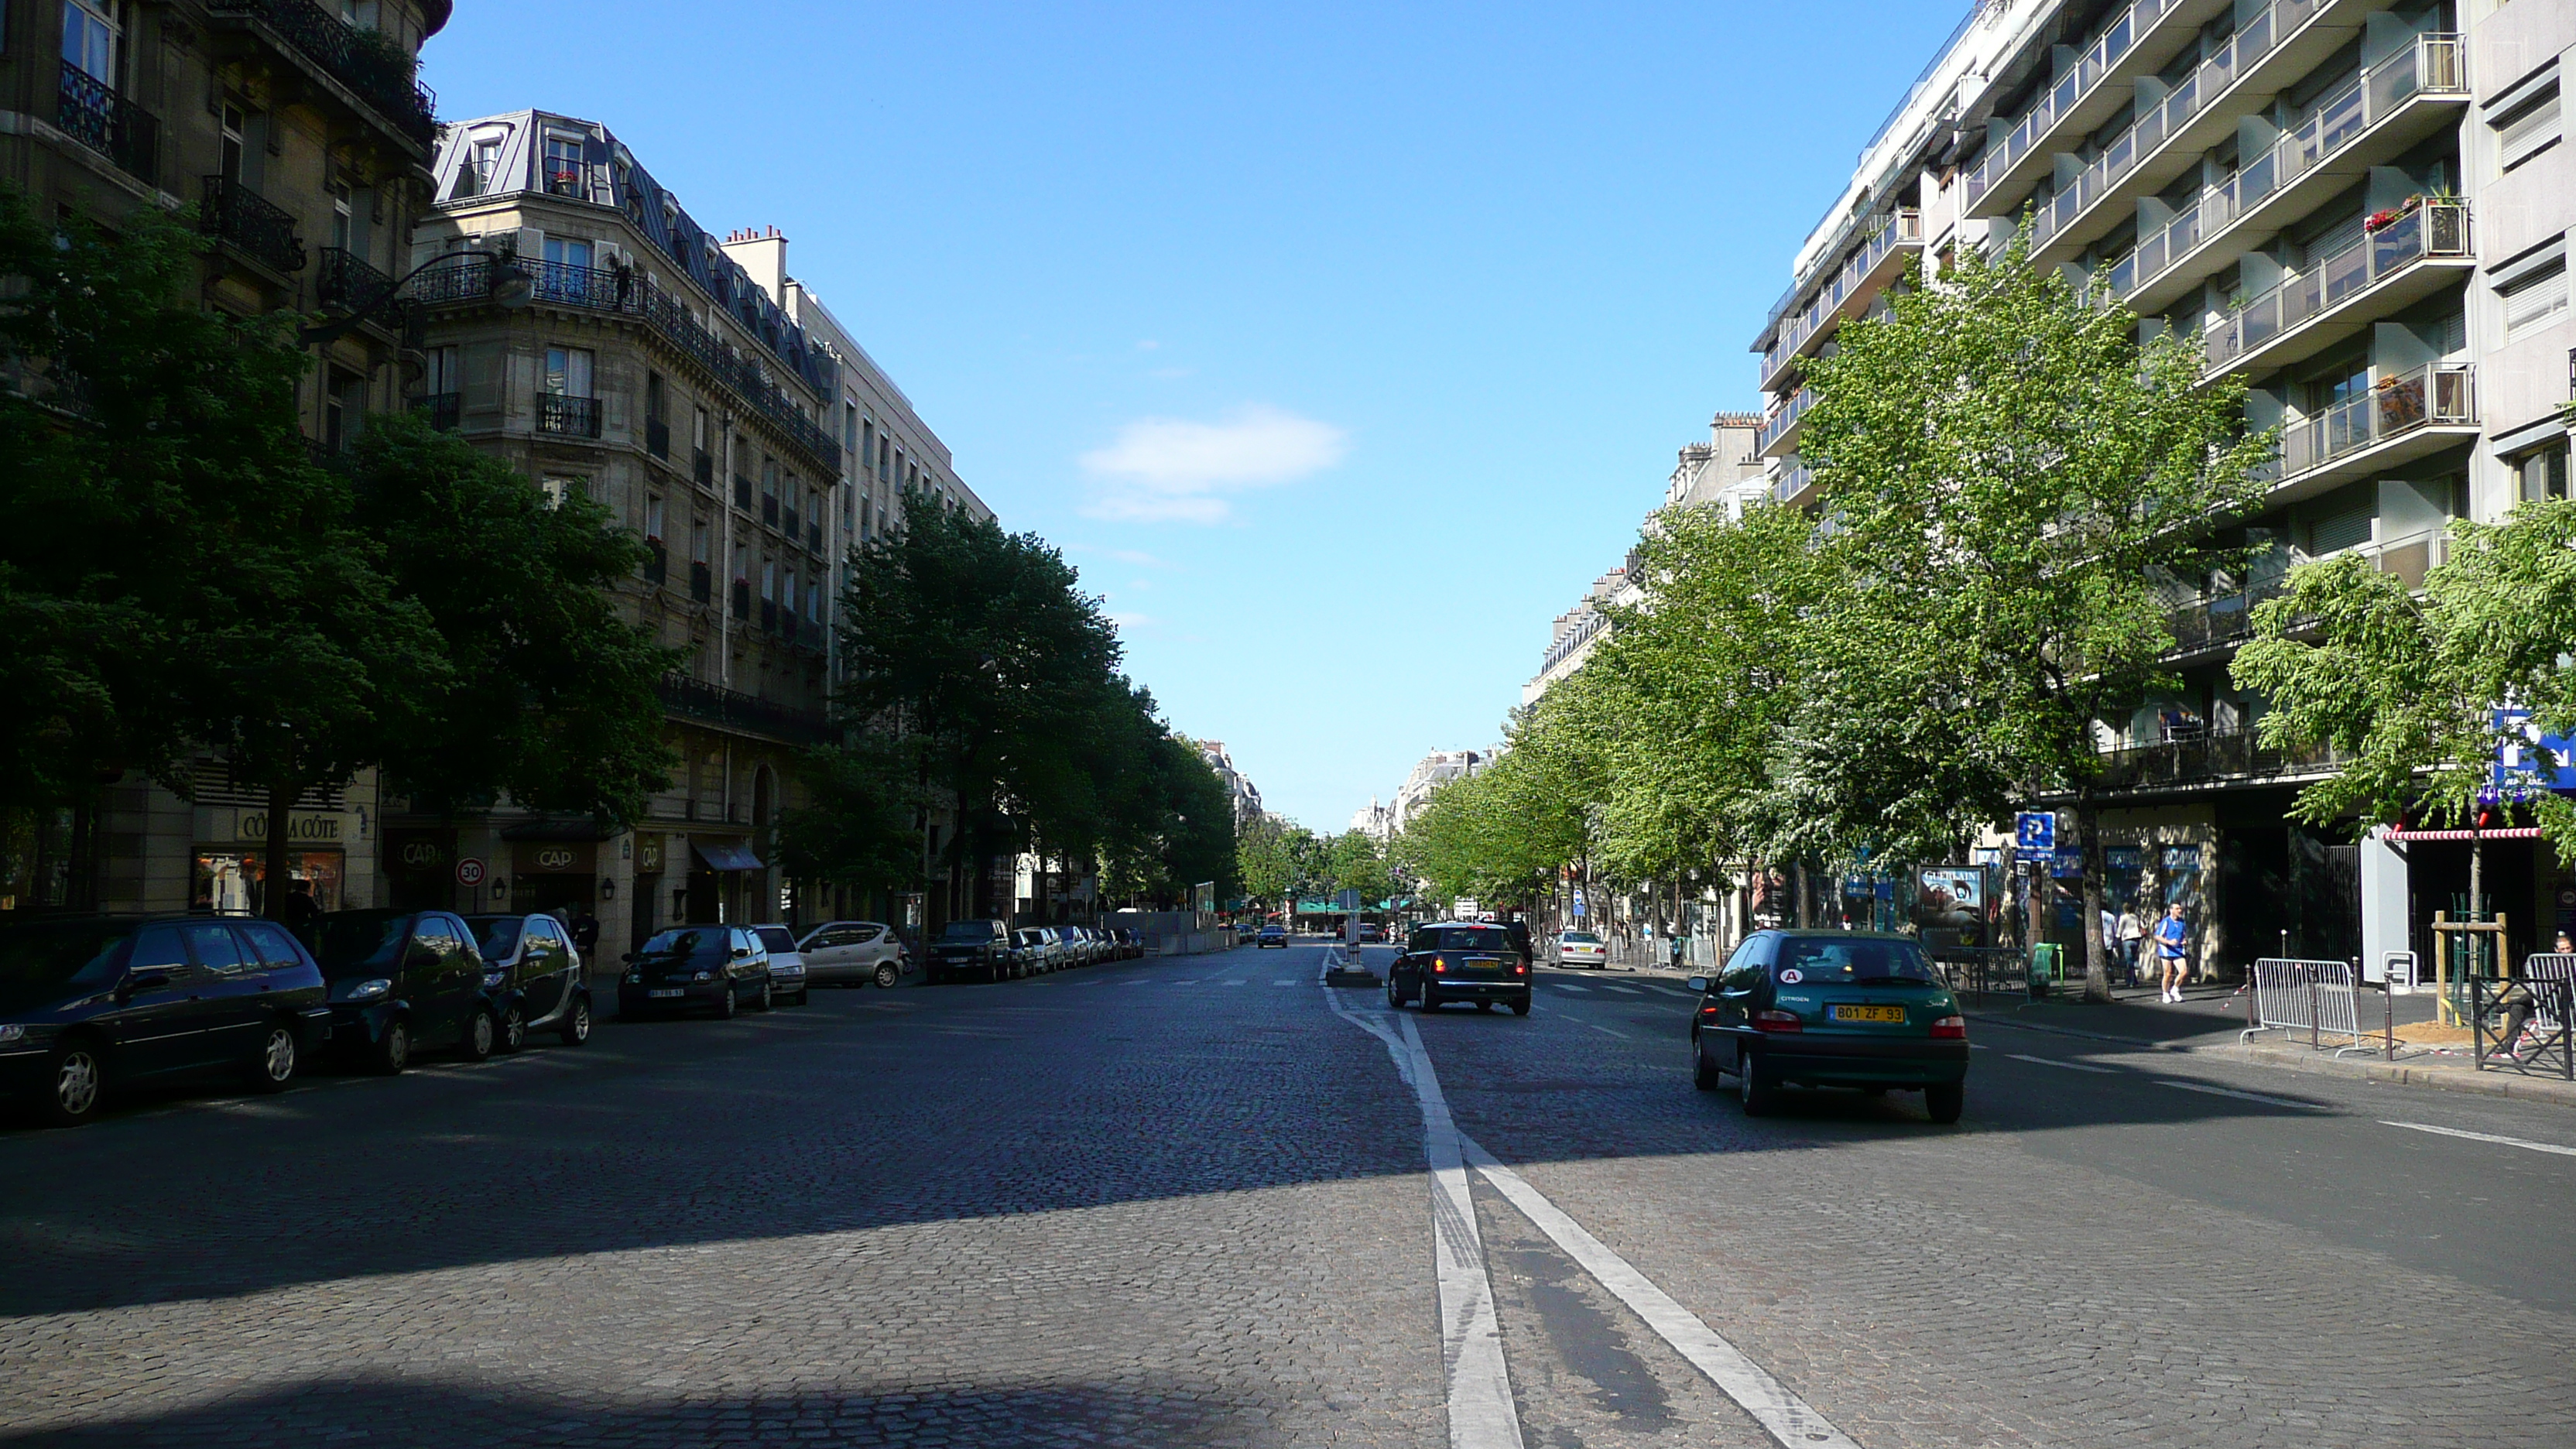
x=1461, y=961
x=1830, y=1009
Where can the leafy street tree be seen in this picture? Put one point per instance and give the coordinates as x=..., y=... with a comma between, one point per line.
x=2009, y=472
x=1359, y=864
x=1266, y=854
x=859, y=820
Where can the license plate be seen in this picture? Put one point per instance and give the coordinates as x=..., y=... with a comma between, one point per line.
x=675, y=991
x=1894, y=1014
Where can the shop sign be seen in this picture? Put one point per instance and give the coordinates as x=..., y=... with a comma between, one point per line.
x=301, y=828
x=555, y=857
x=405, y=851
x=648, y=855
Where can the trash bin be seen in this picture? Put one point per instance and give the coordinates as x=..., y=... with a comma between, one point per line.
x=2047, y=963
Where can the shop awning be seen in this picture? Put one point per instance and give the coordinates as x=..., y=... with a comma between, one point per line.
x=724, y=855
x=2508, y=832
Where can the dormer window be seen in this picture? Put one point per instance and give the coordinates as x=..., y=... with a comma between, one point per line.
x=564, y=173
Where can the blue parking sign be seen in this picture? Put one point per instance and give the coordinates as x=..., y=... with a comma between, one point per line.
x=2035, y=835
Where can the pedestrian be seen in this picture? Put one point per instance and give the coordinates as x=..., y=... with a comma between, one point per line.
x=2522, y=1035
x=2133, y=937
x=585, y=930
x=2172, y=961
x=299, y=910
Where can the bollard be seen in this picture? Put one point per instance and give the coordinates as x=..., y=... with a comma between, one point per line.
x=2391, y=998
x=2315, y=1038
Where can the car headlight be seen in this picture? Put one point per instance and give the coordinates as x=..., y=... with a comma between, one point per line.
x=11, y=1033
x=369, y=990
x=634, y=978
x=704, y=976
x=495, y=978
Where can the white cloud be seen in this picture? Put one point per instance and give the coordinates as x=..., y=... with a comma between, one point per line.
x=1171, y=470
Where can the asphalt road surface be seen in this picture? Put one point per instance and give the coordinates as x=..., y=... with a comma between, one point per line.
x=1210, y=1202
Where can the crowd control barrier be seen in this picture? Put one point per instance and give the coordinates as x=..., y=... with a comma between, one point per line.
x=2526, y=1020
x=2314, y=998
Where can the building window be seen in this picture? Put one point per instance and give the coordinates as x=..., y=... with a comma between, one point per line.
x=563, y=173
x=850, y=427
x=89, y=39
x=568, y=252
x=653, y=517
x=559, y=486
x=568, y=371
x=236, y=125
x=698, y=435
x=2542, y=473
x=2530, y=130
x=2534, y=302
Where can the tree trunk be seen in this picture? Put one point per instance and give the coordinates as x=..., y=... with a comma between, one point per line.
x=2097, y=956
x=273, y=855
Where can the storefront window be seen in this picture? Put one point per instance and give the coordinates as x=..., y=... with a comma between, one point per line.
x=230, y=880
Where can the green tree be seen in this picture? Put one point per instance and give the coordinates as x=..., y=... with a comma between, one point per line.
x=856, y=824
x=1268, y=854
x=1359, y=864
x=2009, y=471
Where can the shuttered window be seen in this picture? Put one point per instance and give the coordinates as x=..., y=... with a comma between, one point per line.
x=2340, y=531
x=2534, y=302
x=2528, y=131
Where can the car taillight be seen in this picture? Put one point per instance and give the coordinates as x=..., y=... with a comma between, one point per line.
x=1950, y=1028
x=1708, y=1009
x=1439, y=963
x=1520, y=968
x=1776, y=1021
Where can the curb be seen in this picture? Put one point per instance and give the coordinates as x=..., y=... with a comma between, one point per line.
x=2448, y=1079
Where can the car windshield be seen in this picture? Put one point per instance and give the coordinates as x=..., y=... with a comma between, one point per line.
x=42, y=963
x=1861, y=961
x=1581, y=938
x=1463, y=938
x=700, y=943
x=1033, y=938
x=497, y=936
x=967, y=931
x=775, y=937
x=353, y=943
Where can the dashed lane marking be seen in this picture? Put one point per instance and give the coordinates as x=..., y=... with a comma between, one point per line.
x=2550, y=1147
x=2053, y=1062
x=2241, y=1096
x=1596, y=1026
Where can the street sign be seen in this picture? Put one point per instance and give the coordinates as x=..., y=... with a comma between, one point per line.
x=2035, y=835
x=1348, y=900
x=469, y=872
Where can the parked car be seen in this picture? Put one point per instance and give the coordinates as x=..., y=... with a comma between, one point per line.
x=852, y=952
x=92, y=1004
x=1460, y=961
x=1372, y=934
x=972, y=947
x=1095, y=945
x=533, y=974
x=1075, y=945
x=1830, y=1009
x=787, y=976
x=1130, y=946
x=1271, y=936
x=721, y=968
x=1583, y=949
x=1041, y=947
x=404, y=982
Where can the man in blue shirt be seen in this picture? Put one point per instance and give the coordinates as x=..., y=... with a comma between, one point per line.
x=2172, y=960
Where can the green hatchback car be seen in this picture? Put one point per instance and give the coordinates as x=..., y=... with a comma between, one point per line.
x=1830, y=1009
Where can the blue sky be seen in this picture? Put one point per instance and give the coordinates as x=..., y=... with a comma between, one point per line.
x=1340, y=345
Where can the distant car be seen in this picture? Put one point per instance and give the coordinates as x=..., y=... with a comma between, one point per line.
x=787, y=977
x=852, y=952
x=1078, y=948
x=1271, y=936
x=717, y=967
x=533, y=974
x=1582, y=948
x=1830, y=1009
x=91, y=1004
x=1372, y=934
x=1460, y=961
x=972, y=947
x=1131, y=947
x=403, y=982
x=1042, y=948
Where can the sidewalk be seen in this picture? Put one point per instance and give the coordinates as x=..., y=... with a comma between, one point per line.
x=2210, y=1018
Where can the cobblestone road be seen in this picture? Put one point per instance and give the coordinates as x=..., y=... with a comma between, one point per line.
x=1184, y=1203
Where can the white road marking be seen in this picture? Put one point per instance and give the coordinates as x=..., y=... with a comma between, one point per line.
x=2485, y=1137
x=2231, y=1092
x=1570, y=986
x=1238, y=981
x=2053, y=1062
x=1629, y=990
x=1596, y=1026
x=1285, y=981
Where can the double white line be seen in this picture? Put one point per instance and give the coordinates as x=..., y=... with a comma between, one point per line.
x=1481, y=1413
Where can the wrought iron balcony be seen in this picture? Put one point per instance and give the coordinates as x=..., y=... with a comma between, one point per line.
x=695, y=699
x=657, y=438
x=769, y=616
x=90, y=111
x=702, y=467
x=2424, y=231
x=769, y=509
x=742, y=598
x=702, y=583
x=787, y=522
x=248, y=221
x=370, y=64
x=351, y=284
x=570, y=417
x=814, y=535
x=657, y=562
x=445, y=410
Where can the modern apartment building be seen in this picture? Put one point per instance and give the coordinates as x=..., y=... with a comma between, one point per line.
x=299, y=133
x=2360, y=206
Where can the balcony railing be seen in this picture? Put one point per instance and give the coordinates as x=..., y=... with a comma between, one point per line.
x=814, y=535
x=369, y=63
x=2208, y=759
x=742, y=598
x=657, y=437
x=90, y=111
x=2218, y=622
x=1777, y=425
x=2430, y=66
x=695, y=699
x=702, y=582
x=1902, y=228
x=445, y=410
x=2068, y=92
x=787, y=522
x=248, y=221
x=769, y=509
x=625, y=292
x=2436, y=229
x=569, y=417
x=2426, y=397
x=350, y=283
x=657, y=562
x=702, y=467
x=1793, y=480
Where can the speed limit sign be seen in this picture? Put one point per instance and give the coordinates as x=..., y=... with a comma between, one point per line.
x=469, y=872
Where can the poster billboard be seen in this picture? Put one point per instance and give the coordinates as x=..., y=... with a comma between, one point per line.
x=1950, y=904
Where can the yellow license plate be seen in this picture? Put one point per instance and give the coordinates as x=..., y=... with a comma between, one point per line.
x=1894, y=1014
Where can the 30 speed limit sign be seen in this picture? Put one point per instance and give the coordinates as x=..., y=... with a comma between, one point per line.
x=469, y=872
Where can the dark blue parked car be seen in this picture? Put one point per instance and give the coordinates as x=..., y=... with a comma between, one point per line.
x=405, y=981
x=89, y=1004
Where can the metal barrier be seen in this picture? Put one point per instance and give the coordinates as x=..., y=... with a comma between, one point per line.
x=1982, y=970
x=2537, y=1007
x=2315, y=997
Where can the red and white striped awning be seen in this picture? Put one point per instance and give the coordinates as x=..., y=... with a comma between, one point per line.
x=2507, y=832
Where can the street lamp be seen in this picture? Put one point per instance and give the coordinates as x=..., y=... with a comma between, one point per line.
x=510, y=289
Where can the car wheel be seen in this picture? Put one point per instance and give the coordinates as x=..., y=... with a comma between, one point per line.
x=576, y=1026
x=1394, y=998
x=768, y=998
x=79, y=1081
x=273, y=1070
x=1758, y=1089
x=1423, y=999
x=393, y=1049
x=482, y=1034
x=1944, y=1099
x=1484, y=1006
x=1703, y=1073
x=1521, y=1007
x=726, y=1005
x=514, y=1029
x=887, y=975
